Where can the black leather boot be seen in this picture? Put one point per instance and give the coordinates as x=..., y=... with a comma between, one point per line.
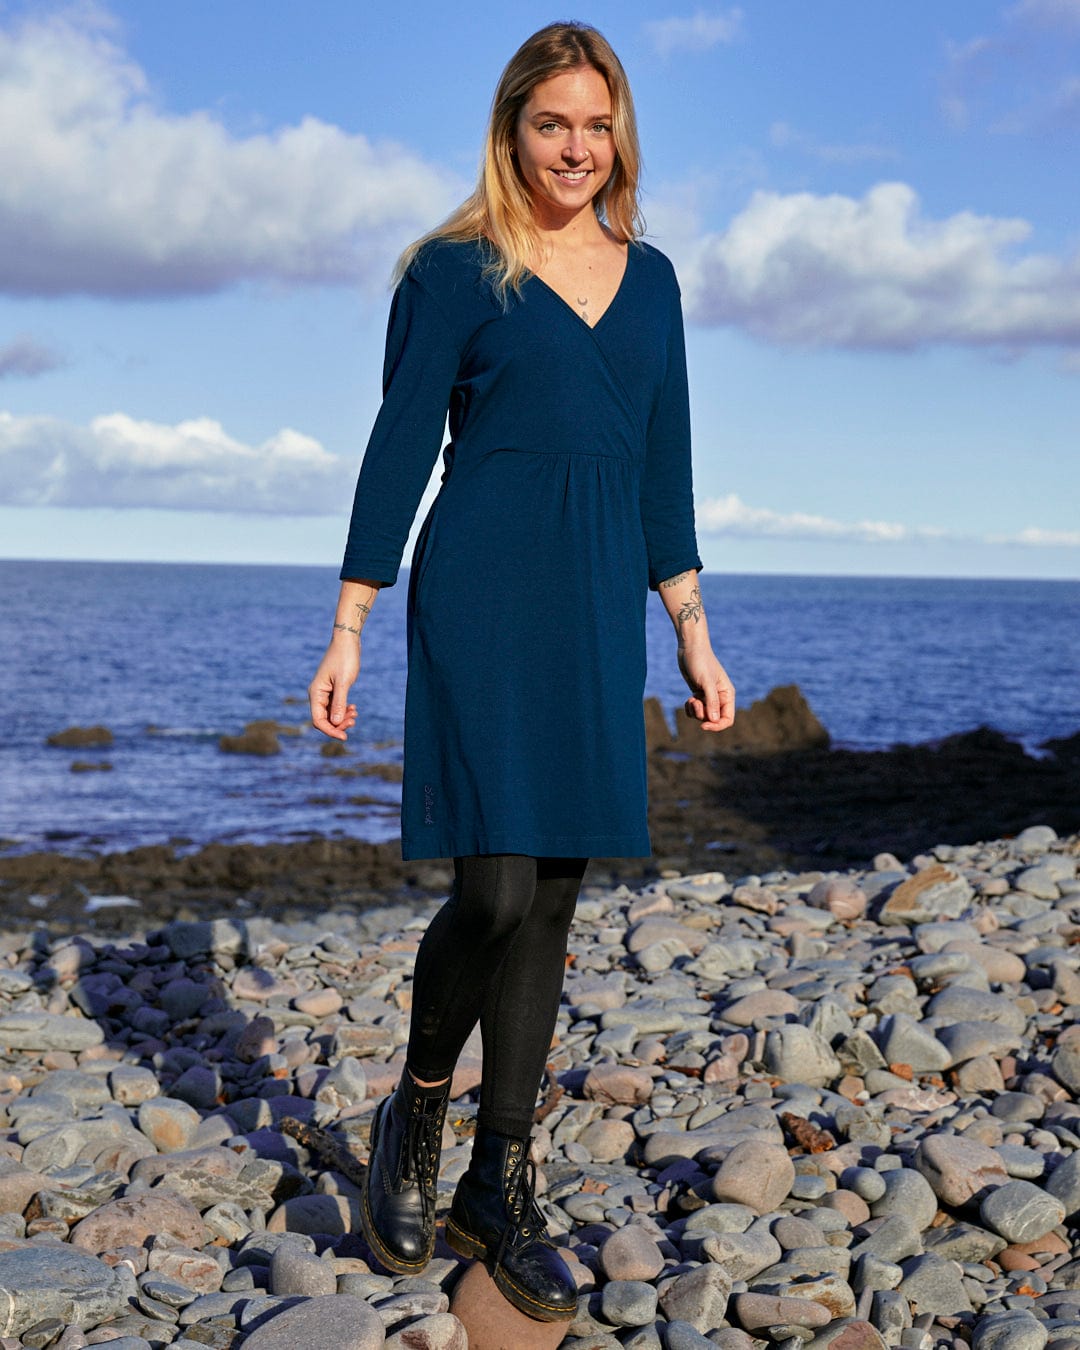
x=397, y=1208
x=495, y=1219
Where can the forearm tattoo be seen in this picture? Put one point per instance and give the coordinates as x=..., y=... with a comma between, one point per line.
x=674, y=581
x=346, y=628
x=690, y=610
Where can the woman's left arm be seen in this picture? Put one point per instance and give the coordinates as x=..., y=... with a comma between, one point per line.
x=712, y=699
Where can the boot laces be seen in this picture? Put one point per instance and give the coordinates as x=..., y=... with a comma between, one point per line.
x=419, y=1157
x=525, y=1222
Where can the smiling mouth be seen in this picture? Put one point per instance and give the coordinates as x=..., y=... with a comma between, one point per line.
x=571, y=175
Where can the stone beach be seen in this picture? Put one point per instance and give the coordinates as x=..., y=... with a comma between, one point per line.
x=824, y=1109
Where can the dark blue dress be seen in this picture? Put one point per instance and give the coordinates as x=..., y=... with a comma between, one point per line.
x=566, y=495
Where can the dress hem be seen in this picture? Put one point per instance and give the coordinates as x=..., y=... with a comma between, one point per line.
x=538, y=846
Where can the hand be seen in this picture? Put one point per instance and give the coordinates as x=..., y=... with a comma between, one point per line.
x=712, y=702
x=328, y=692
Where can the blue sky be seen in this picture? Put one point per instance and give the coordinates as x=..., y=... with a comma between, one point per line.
x=872, y=211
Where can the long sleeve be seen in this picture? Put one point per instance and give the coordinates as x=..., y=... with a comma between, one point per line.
x=667, y=497
x=419, y=371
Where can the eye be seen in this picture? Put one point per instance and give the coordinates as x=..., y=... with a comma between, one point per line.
x=547, y=127
x=602, y=127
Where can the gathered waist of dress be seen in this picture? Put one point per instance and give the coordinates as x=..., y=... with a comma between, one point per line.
x=620, y=453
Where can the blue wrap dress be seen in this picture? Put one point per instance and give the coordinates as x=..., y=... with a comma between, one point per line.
x=566, y=496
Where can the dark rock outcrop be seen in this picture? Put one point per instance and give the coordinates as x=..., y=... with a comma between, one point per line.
x=80, y=738
x=779, y=722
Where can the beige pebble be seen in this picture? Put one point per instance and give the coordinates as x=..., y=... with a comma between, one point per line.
x=132, y=1219
x=319, y=1002
x=618, y=1083
x=492, y=1323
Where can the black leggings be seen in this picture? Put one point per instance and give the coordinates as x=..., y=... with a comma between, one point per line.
x=495, y=953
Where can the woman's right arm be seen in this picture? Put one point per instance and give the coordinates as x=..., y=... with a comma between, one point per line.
x=328, y=693
x=420, y=366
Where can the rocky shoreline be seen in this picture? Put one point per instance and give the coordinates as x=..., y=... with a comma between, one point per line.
x=821, y=1108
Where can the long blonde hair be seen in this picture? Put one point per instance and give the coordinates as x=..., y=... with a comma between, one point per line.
x=499, y=209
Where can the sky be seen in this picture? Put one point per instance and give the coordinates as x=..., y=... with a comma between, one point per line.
x=872, y=211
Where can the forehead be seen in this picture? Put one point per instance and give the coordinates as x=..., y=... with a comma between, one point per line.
x=582, y=90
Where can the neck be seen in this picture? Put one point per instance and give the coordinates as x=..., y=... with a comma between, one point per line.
x=570, y=232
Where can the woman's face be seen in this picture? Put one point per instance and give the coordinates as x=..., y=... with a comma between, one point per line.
x=564, y=142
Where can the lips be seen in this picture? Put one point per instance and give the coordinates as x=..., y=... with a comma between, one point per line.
x=571, y=175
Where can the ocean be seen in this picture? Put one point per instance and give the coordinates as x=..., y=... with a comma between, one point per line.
x=170, y=657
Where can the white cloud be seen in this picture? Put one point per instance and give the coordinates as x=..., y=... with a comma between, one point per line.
x=103, y=192
x=118, y=461
x=695, y=34
x=786, y=137
x=835, y=271
x=730, y=515
x=1033, y=537
x=27, y=357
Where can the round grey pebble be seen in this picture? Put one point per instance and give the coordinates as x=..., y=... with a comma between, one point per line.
x=864, y=1181
x=1021, y=1211
x=628, y=1303
x=1013, y=1330
x=1028, y=1164
x=809, y=1188
x=1017, y=1106
x=294, y=1271
x=166, y=1291
x=907, y=1192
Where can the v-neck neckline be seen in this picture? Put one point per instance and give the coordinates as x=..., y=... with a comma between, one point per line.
x=592, y=327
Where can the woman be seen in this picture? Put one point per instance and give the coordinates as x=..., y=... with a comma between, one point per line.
x=552, y=336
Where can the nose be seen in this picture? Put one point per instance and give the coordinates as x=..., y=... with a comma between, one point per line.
x=575, y=150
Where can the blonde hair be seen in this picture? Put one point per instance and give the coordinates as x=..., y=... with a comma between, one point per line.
x=499, y=210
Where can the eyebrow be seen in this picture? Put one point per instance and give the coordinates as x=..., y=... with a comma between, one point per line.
x=562, y=117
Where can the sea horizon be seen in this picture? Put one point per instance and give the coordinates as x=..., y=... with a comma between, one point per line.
x=405, y=567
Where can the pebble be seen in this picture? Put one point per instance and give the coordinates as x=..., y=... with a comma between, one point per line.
x=1016, y=1330
x=45, y=1281
x=293, y=1270
x=958, y=1169
x=631, y=1254
x=337, y=1322
x=1021, y=1211
x=907, y=1192
x=131, y=1219
x=756, y=1312
x=169, y=1124
x=817, y=1111
x=756, y=1174
x=628, y=1303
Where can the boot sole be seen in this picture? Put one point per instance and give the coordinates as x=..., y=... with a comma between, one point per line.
x=475, y=1250
x=371, y=1237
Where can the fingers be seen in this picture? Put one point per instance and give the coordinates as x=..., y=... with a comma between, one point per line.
x=714, y=707
x=328, y=694
x=330, y=713
x=727, y=704
x=712, y=704
x=338, y=731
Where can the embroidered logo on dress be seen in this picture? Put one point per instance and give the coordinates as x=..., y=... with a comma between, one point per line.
x=429, y=803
